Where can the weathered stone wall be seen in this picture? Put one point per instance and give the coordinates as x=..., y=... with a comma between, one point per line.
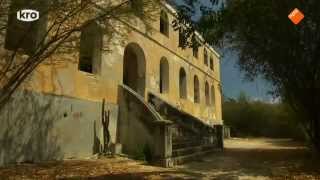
x=36, y=127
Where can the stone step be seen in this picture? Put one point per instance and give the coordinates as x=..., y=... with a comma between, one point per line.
x=191, y=157
x=184, y=139
x=179, y=139
x=184, y=144
x=186, y=151
x=192, y=149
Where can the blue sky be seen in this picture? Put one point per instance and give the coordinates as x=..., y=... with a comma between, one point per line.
x=233, y=81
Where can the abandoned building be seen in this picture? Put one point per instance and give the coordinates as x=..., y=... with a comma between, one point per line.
x=156, y=98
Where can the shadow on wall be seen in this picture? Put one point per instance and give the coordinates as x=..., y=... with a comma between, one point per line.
x=97, y=146
x=26, y=131
x=136, y=126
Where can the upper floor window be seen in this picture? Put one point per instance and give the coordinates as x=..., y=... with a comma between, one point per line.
x=196, y=89
x=213, y=96
x=211, y=63
x=182, y=84
x=90, y=48
x=195, y=51
x=164, y=75
x=207, y=96
x=205, y=57
x=164, y=23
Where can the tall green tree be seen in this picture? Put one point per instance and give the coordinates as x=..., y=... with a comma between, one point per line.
x=268, y=43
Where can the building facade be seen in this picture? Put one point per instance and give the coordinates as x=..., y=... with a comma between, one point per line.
x=148, y=89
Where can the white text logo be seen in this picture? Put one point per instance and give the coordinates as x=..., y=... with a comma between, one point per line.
x=27, y=15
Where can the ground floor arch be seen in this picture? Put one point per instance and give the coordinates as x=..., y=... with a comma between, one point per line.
x=134, y=68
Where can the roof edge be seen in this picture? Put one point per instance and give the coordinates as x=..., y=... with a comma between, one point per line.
x=173, y=11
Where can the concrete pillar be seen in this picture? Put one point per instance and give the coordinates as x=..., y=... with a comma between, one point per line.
x=163, y=145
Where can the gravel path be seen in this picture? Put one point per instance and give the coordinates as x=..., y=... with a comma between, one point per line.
x=257, y=159
x=242, y=159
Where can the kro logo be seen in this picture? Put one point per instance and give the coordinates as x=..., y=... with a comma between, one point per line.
x=27, y=15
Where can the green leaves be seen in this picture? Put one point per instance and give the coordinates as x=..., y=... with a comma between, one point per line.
x=247, y=117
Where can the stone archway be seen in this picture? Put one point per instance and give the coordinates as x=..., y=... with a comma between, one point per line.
x=134, y=68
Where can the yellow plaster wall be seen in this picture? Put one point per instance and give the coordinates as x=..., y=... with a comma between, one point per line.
x=65, y=78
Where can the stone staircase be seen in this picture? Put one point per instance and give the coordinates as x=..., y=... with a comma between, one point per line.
x=173, y=136
x=186, y=149
x=191, y=138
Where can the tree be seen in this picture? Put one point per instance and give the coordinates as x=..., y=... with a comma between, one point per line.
x=256, y=118
x=269, y=44
x=56, y=32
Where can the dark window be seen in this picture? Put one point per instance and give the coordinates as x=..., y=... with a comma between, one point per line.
x=205, y=57
x=90, y=48
x=211, y=63
x=213, y=96
x=26, y=36
x=196, y=89
x=164, y=23
x=182, y=84
x=207, y=93
x=195, y=51
x=86, y=64
x=164, y=75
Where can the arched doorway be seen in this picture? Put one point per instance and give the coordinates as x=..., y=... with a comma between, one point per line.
x=134, y=68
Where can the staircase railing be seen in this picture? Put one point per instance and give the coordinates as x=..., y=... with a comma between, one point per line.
x=146, y=104
x=159, y=129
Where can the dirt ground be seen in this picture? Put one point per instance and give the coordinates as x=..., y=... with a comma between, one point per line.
x=242, y=159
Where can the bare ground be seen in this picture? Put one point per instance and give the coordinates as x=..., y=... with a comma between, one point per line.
x=242, y=159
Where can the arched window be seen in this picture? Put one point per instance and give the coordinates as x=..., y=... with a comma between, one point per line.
x=211, y=63
x=196, y=90
x=164, y=75
x=164, y=23
x=195, y=51
x=182, y=84
x=205, y=57
x=213, y=96
x=90, y=48
x=206, y=89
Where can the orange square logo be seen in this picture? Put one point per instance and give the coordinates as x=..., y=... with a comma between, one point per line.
x=296, y=16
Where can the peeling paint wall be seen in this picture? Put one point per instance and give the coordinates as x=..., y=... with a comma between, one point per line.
x=36, y=127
